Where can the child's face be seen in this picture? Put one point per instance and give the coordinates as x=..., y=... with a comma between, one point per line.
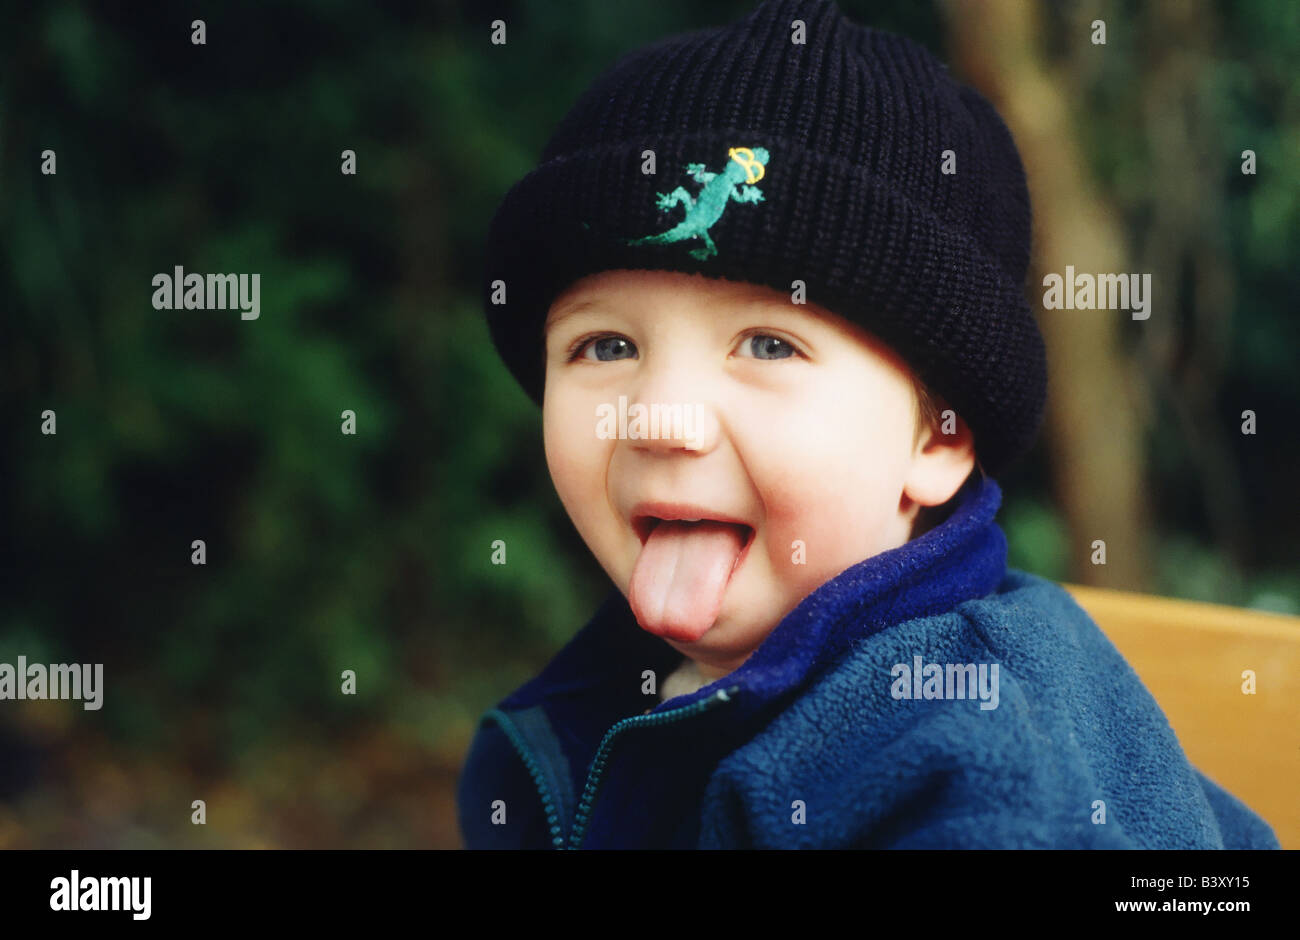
x=803, y=429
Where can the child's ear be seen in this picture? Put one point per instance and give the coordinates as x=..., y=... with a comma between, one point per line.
x=944, y=457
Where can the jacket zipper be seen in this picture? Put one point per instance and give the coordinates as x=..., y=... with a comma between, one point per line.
x=548, y=804
x=582, y=817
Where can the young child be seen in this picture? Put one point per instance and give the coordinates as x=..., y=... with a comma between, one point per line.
x=767, y=285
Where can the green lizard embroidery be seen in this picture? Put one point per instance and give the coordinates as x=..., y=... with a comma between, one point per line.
x=746, y=167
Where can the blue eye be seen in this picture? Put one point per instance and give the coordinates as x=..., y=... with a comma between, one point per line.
x=612, y=348
x=607, y=349
x=767, y=346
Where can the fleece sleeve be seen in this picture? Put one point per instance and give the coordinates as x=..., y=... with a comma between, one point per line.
x=873, y=773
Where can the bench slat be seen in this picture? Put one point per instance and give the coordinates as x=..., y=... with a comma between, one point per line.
x=1191, y=656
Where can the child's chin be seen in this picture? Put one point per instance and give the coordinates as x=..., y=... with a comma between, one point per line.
x=682, y=638
x=720, y=642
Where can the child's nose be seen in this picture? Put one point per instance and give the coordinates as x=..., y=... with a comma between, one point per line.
x=670, y=410
x=675, y=426
x=680, y=391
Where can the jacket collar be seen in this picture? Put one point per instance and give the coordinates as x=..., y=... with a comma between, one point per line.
x=596, y=678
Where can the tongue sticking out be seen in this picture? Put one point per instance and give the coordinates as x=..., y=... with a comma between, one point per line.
x=681, y=575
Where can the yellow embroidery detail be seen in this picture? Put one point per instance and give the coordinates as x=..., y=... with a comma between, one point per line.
x=745, y=157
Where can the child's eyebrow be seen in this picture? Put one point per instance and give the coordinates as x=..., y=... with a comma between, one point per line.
x=745, y=306
x=568, y=310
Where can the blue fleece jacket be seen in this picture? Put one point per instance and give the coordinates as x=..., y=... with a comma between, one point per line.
x=837, y=732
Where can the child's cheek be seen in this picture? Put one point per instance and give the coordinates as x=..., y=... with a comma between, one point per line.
x=800, y=524
x=826, y=507
x=571, y=454
x=812, y=547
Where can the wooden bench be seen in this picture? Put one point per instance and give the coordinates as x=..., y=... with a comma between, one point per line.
x=1191, y=657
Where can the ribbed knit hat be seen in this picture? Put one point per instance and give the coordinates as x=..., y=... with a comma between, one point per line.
x=818, y=161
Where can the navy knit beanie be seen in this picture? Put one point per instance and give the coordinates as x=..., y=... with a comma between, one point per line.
x=817, y=161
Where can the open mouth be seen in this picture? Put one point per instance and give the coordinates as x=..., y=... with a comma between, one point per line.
x=644, y=525
x=687, y=561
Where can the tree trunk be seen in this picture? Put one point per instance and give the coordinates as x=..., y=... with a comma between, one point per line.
x=1092, y=427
